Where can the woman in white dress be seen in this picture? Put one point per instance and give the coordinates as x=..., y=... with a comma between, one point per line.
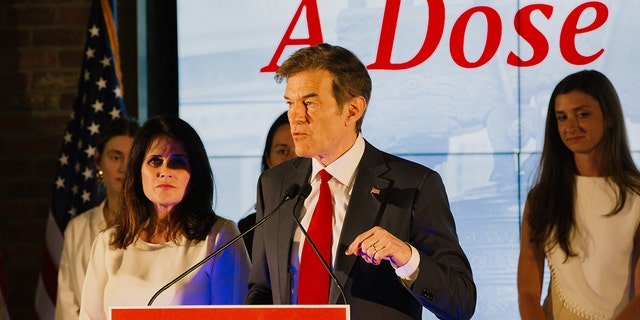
x=111, y=156
x=166, y=224
x=583, y=212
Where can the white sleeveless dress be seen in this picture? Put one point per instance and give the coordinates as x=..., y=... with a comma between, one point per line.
x=595, y=284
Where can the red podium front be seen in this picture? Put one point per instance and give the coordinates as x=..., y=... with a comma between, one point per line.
x=233, y=312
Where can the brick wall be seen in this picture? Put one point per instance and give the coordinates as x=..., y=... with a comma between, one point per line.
x=41, y=44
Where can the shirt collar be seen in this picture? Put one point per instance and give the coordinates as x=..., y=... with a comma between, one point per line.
x=343, y=168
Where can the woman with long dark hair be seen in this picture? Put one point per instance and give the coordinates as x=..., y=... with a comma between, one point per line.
x=166, y=224
x=583, y=212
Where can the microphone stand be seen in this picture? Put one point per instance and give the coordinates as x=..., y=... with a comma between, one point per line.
x=291, y=192
x=305, y=190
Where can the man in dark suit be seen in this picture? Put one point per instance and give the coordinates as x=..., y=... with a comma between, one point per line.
x=394, y=246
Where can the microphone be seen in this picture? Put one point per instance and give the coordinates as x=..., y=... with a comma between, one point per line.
x=289, y=194
x=305, y=190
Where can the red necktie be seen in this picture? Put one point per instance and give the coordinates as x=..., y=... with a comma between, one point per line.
x=314, y=280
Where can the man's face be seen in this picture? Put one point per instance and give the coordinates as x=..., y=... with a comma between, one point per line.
x=320, y=129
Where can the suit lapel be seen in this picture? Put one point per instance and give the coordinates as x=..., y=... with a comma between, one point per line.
x=367, y=199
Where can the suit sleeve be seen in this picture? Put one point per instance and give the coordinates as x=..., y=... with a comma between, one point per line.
x=259, y=286
x=444, y=284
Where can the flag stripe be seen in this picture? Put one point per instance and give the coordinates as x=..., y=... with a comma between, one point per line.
x=49, y=275
x=45, y=308
x=4, y=304
x=53, y=238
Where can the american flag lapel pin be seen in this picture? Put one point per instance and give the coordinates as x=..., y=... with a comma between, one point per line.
x=375, y=191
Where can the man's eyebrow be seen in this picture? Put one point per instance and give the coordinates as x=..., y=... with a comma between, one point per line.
x=310, y=95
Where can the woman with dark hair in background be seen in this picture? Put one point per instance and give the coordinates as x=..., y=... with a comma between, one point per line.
x=277, y=149
x=166, y=224
x=112, y=153
x=582, y=214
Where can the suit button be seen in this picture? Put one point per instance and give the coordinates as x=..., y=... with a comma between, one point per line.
x=428, y=295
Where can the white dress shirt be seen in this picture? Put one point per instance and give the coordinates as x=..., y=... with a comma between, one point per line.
x=343, y=172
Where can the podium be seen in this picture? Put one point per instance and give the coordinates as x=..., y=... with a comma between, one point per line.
x=233, y=312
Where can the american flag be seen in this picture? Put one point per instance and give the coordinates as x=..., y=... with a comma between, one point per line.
x=98, y=101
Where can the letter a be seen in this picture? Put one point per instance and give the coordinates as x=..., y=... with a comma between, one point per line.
x=314, y=29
